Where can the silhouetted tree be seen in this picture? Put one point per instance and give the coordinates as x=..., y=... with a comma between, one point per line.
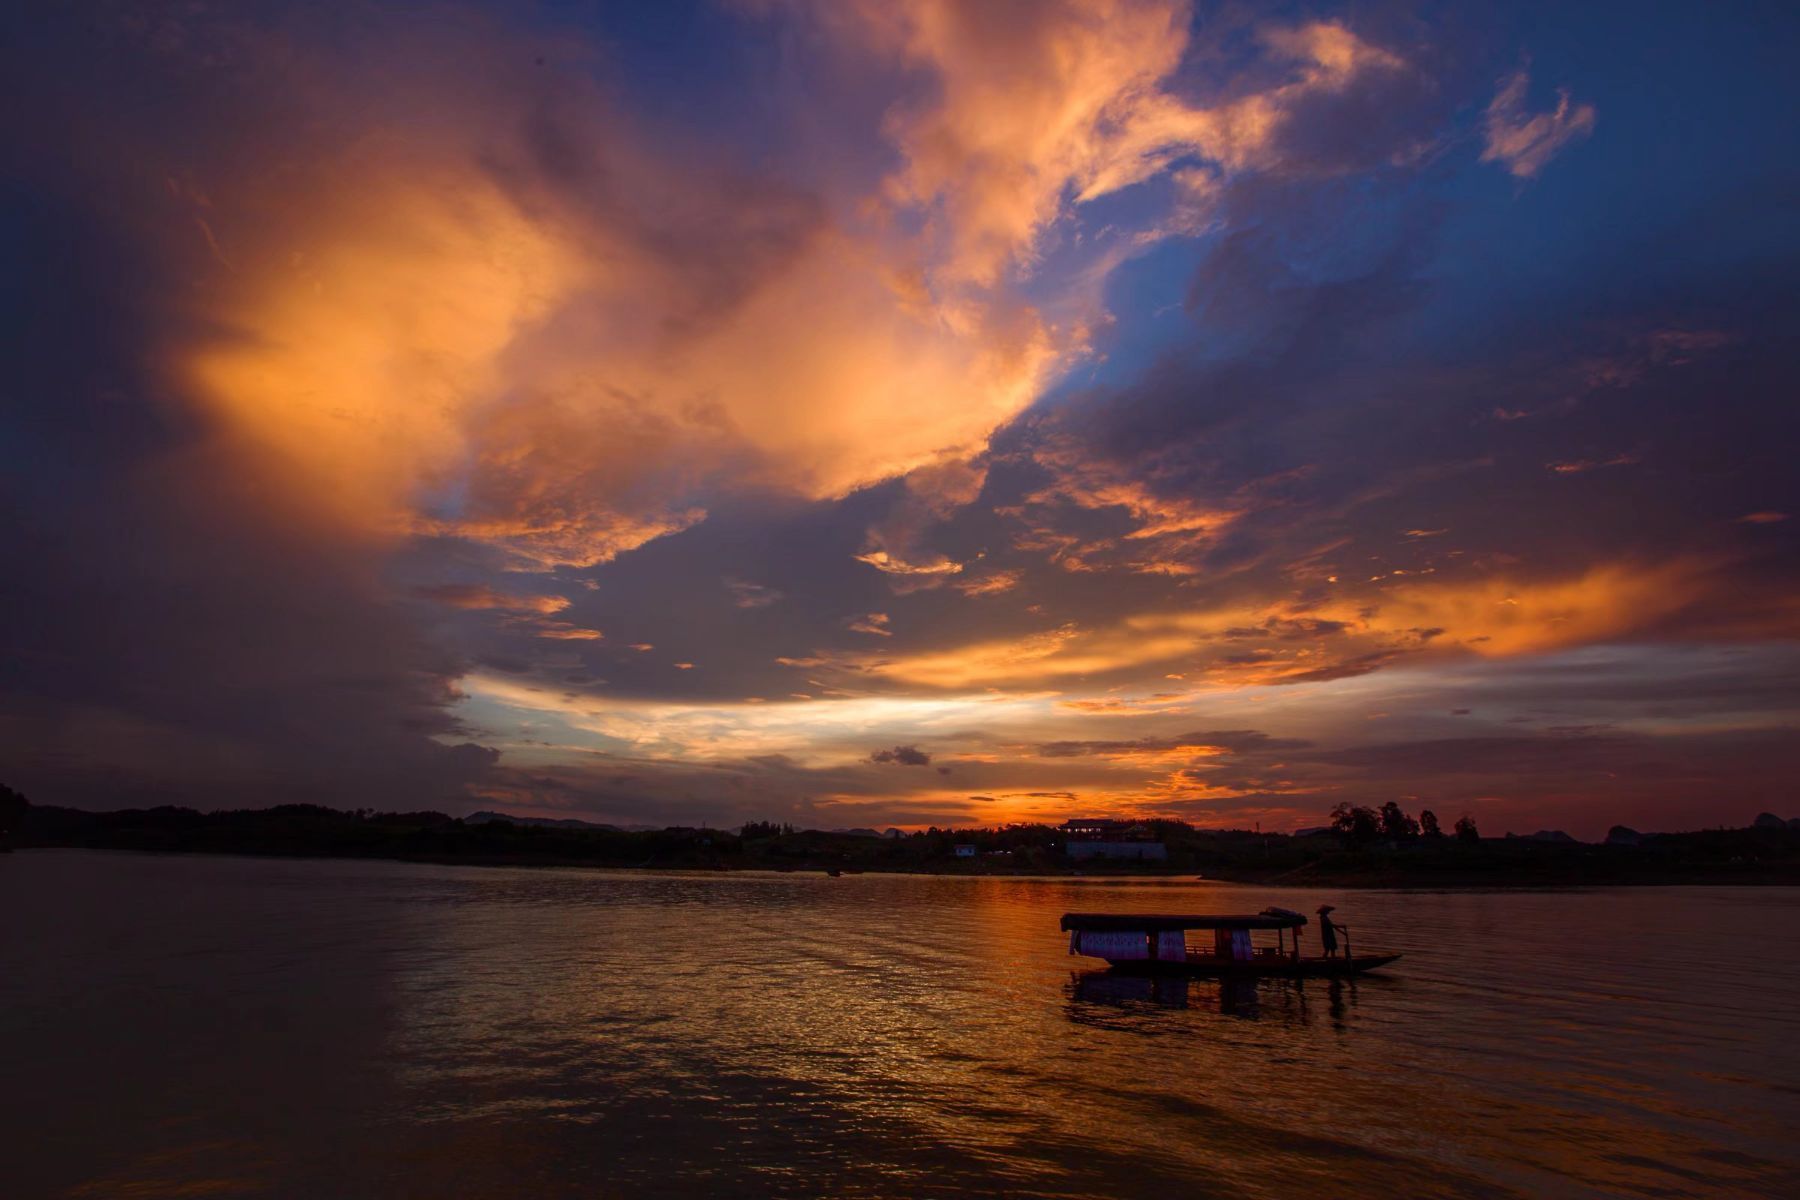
x=763, y=829
x=1356, y=825
x=1396, y=824
x=1428, y=824
x=12, y=810
x=1465, y=829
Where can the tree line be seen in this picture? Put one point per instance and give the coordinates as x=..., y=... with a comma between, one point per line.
x=1358, y=825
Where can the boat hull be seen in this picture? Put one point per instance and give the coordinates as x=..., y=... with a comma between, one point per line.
x=1272, y=968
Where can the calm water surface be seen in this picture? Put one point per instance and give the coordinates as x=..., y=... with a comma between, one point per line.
x=190, y=1026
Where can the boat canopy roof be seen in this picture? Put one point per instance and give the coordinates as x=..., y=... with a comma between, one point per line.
x=1273, y=918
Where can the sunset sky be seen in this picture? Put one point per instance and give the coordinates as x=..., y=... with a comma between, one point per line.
x=904, y=413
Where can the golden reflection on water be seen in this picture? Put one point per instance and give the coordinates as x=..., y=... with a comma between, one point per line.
x=467, y=1032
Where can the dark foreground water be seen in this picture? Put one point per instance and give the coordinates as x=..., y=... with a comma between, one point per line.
x=185, y=1026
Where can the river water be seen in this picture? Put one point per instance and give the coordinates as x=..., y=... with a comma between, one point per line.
x=207, y=1026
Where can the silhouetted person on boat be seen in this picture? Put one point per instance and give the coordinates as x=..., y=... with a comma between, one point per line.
x=1328, y=931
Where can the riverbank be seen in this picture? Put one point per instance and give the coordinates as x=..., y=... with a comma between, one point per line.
x=1324, y=878
x=1750, y=857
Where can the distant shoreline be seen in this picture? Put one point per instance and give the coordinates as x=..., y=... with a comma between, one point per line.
x=1122, y=873
x=1756, y=856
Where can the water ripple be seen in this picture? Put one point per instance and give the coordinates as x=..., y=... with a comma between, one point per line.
x=336, y=1028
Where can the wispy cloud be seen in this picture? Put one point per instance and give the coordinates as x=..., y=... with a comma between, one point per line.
x=1523, y=141
x=1070, y=100
x=482, y=596
x=875, y=623
x=1577, y=466
x=745, y=594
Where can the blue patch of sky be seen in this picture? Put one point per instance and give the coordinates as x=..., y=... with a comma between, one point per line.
x=693, y=65
x=1690, y=100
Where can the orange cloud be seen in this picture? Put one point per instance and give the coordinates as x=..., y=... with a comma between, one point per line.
x=875, y=623
x=481, y=596
x=1158, y=755
x=1523, y=141
x=354, y=358
x=443, y=335
x=1497, y=617
x=1040, y=103
x=882, y=561
x=566, y=632
x=1350, y=635
x=440, y=337
x=1033, y=658
x=992, y=583
x=1127, y=706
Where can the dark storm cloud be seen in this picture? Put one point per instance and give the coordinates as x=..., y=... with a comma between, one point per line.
x=170, y=633
x=138, y=671
x=905, y=756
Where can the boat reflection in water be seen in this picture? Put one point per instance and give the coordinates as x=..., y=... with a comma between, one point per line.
x=1232, y=997
x=1296, y=1001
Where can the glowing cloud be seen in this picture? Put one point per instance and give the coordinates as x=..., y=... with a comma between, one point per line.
x=1524, y=142
x=1498, y=617
x=450, y=337
x=481, y=596
x=455, y=336
x=1040, y=103
x=1288, y=644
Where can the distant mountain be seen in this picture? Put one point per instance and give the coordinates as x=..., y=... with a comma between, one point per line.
x=1543, y=835
x=482, y=818
x=1769, y=821
x=1620, y=835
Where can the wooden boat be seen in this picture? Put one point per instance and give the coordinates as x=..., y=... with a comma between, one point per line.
x=1159, y=945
